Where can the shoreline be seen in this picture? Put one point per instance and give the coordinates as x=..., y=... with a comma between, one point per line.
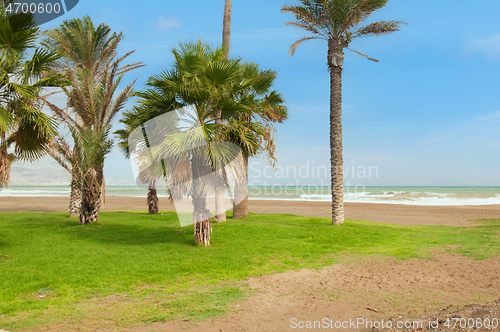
x=401, y=214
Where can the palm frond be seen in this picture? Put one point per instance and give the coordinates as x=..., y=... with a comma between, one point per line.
x=33, y=135
x=7, y=121
x=363, y=55
x=378, y=28
x=296, y=44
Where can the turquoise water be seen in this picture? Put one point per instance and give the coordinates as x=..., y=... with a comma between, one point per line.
x=388, y=195
x=18, y=191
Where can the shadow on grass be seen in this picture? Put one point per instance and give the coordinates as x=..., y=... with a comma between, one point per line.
x=164, y=229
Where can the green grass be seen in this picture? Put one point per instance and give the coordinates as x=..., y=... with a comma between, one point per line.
x=151, y=264
x=488, y=221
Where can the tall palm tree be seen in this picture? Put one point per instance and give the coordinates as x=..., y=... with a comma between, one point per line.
x=226, y=34
x=22, y=123
x=90, y=48
x=338, y=22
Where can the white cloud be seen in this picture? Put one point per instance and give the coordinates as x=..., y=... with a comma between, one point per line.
x=490, y=117
x=167, y=23
x=490, y=47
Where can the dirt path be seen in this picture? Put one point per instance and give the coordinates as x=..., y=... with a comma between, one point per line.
x=369, y=290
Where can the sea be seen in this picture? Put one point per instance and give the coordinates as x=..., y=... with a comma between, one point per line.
x=387, y=195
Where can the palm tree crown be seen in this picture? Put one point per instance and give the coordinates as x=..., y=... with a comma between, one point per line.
x=338, y=21
x=84, y=45
x=206, y=80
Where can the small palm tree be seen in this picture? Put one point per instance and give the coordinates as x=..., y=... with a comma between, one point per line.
x=133, y=120
x=337, y=22
x=22, y=123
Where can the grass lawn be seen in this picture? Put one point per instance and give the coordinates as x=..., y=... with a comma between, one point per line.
x=135, y=268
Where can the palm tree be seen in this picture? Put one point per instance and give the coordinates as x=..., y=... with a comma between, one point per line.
x=133, y=120
x=337, y=22
x=226, y=34
x=203, y=79
x=93, y=101
x=22, y=123
x=91, y=95
x=267, y=113
x=263, y=106
x=90, y=48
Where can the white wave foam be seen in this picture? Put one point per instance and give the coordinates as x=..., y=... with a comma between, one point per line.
x=407, y=198
x=31, y=193
x=384, y=197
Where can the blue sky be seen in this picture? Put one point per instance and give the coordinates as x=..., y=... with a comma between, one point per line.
x=427, y=114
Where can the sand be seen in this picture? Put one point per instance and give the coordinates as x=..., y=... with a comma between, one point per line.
x=383, y=213
x=373, y=290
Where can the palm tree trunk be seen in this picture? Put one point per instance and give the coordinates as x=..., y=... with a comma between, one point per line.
x=75, y=200
x=202, y=231
x=220, y=206
x=220, y=209
x=241, y=194
x=91, y=198
x=226, y=26
x=335, y=66
x=4, y=168
x=152, y=199
x=201, y=215
x=103, y=187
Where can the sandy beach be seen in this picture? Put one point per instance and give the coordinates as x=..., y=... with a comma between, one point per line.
x=383, y=213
